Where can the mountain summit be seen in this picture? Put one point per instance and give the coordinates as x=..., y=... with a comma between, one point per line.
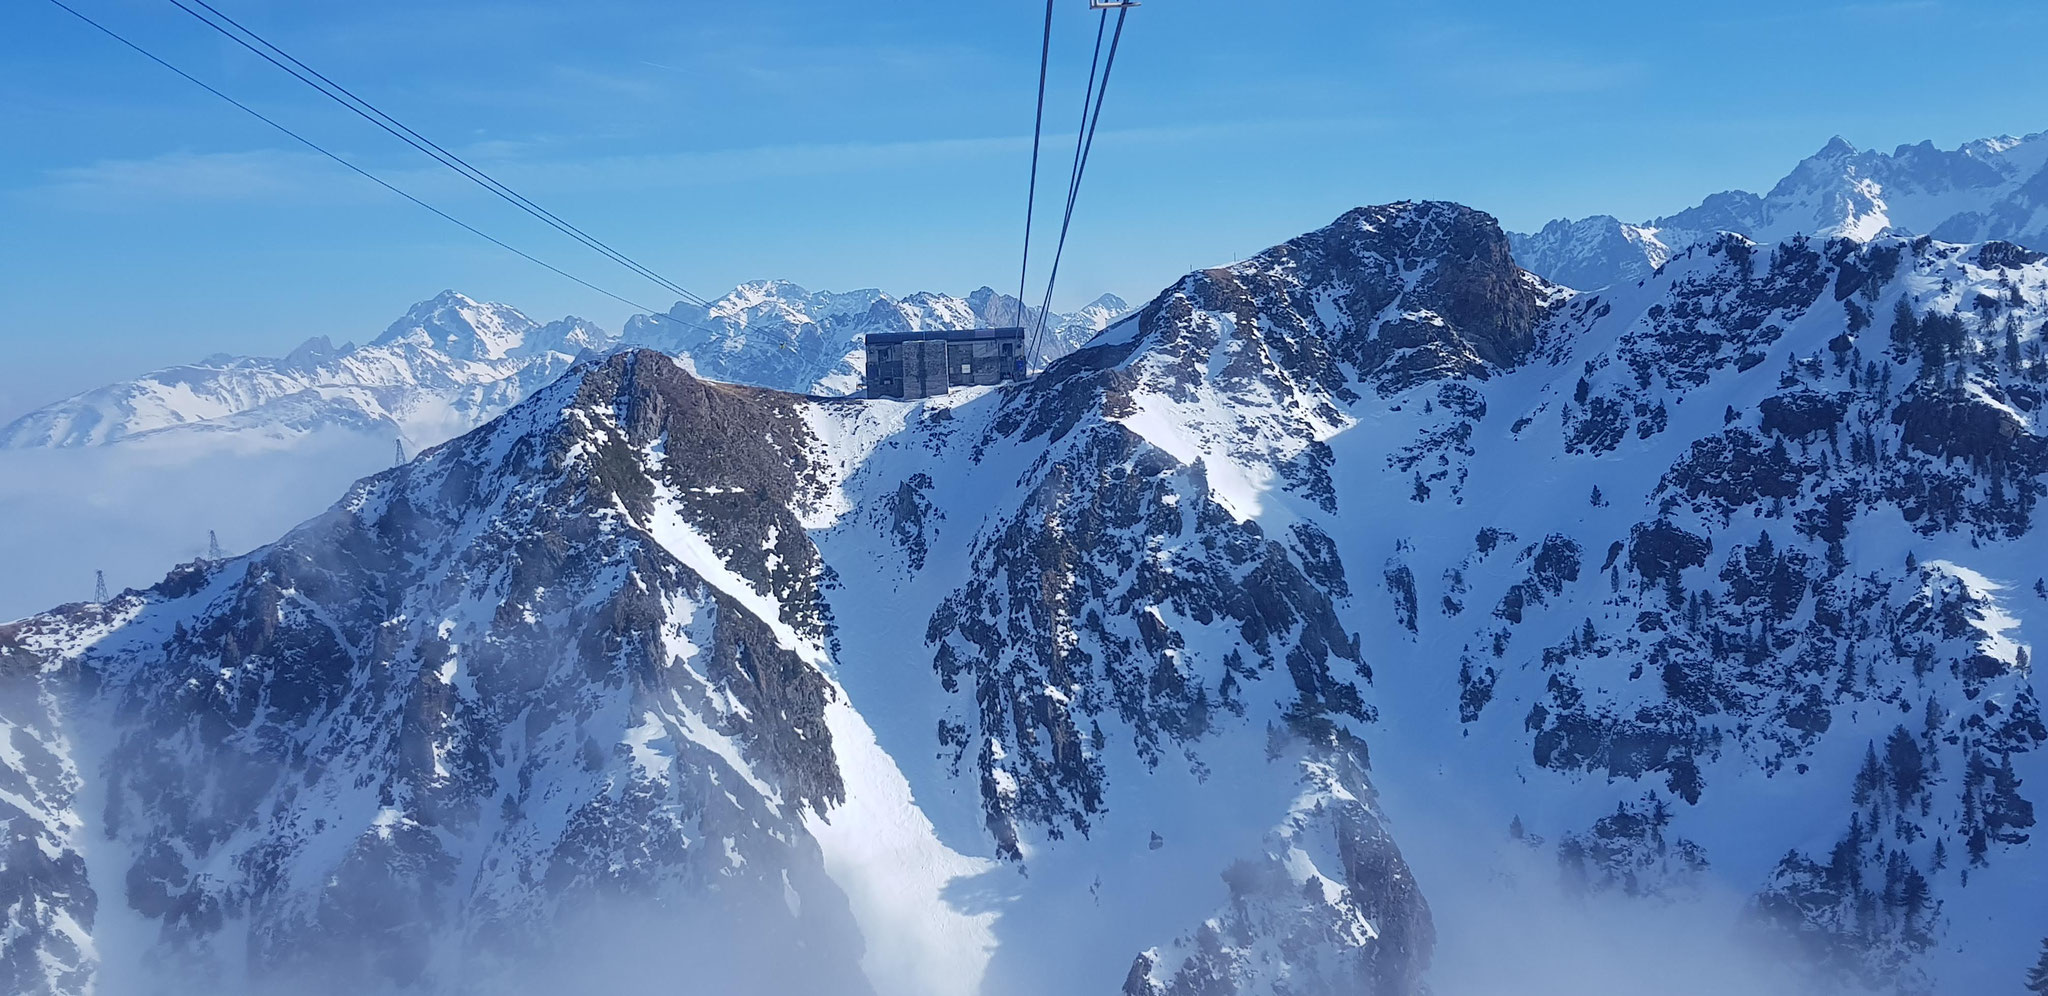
x=461, y=327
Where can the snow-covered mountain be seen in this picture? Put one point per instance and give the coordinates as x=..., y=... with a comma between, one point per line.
x=776, y=334
x=452, y=363
x=1991, y=189
x=447, y=366
x=1356, y=618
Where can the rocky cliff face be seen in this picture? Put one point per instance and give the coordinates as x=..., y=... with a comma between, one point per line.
x=1131, y=678
x=488, y=692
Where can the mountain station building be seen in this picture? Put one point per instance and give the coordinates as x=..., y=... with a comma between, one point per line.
x=912, y=365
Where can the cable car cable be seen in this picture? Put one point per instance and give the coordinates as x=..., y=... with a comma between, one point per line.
x=1073, y=178
x=1037, y=130
x=398, y=129
x=1085, y=144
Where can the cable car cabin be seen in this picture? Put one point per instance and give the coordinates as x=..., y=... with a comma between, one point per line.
x=912, y=365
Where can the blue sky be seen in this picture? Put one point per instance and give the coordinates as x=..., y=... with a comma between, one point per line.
x=144, y=222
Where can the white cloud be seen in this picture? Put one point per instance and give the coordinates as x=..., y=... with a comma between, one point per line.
x=306, y=177
x=259, y=174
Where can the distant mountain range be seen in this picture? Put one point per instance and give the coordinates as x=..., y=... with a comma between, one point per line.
x=453, y=363
x=447, y=366
x=1994, y=188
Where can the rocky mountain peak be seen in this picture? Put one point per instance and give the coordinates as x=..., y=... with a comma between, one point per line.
x=997, y=309
x=1836, y=148
x=1108, y=304
x=759, y=299
x=459, y=326
x=570, y=335
x=1449, y=267
x=312, y=353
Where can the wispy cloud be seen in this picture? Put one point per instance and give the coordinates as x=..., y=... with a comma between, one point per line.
x=1890, y=8
x=261, y=174
x=307, y=178
x=1484, y=58
x=1536, y=77
x=1869, y=11
x=688, y=74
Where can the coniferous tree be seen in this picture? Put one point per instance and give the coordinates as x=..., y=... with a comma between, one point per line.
x=1972, y=829
x=1908, y=770
x=1933, y=356
x=1905, y=329
x=2037, y=977
x=1868, y=778
x=1913, y=897
x=1933, y=718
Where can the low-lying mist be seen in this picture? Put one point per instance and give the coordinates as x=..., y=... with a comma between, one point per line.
x=1509, y=921
x=137, y=508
